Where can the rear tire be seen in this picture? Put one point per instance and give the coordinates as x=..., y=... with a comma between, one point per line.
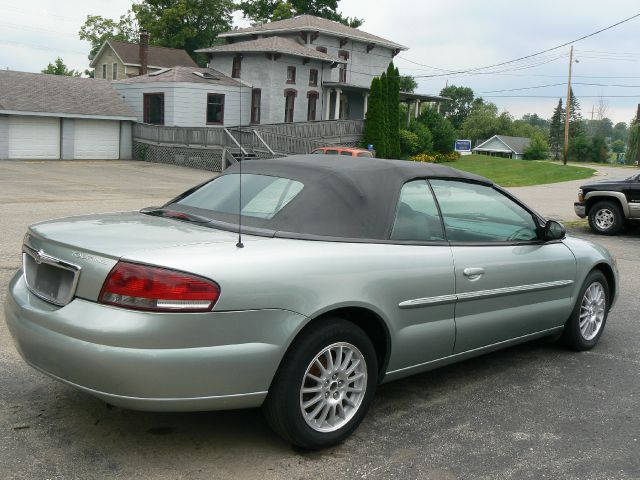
x=586, y=323
x=324, y=385
x=606, y=218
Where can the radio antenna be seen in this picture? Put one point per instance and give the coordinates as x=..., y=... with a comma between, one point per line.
x=240, y=244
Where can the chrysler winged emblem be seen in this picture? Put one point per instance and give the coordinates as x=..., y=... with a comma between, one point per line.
x=38, y=256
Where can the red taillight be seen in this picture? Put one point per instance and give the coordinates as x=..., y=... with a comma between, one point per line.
x=142, y=287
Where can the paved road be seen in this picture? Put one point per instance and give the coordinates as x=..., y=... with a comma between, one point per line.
x=529, y=412
x=555, y=200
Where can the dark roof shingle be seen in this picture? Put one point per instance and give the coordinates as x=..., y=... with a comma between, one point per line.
x=42, y=93
x=272, y=45
x=310, y=23
x=163, y=57
x=185, y=75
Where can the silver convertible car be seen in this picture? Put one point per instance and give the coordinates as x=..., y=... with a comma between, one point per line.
x=349, y=273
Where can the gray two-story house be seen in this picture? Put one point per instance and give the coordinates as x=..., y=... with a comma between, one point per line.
x=304, y=68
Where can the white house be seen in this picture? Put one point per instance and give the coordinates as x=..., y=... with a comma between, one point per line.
x=186, y=97
x=503, y=146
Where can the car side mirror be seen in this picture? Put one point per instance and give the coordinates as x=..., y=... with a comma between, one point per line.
x=554, y=231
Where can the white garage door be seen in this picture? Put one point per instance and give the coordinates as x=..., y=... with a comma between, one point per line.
x=97, y=139
x=34, y=137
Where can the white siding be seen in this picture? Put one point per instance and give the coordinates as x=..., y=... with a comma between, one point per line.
x=34, y=137
x=185, y=104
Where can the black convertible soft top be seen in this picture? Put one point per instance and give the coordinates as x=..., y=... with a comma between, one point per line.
x=343, y=197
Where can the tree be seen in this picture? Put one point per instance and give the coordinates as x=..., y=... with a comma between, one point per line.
x=262, y=11
x=374, y=121
x=580, y=149
x=59, y=68
x=482, y=122
x=408, y=84
x=538, y=148
x=599, y=150
x=556, y=130
x=458, y=108
x=96, y=30
x=442, y=131
x=186, y=24
x=384, y=95
x=577, y=127
x=617, y=146
x=393, y=111
x=620, y=132
x=632, y=142
x=536, y=121
x=424, y=137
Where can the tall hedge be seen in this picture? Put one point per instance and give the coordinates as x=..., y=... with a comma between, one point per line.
x=393, y=112
x=374, y=121
x=384, y=95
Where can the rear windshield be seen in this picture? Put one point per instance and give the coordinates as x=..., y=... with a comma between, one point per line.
x=346, y=152
x=263, y=196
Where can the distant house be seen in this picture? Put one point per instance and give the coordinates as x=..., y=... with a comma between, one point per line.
x=305, y=68
x=186, y=97
x=503, y=146
x=59, y=117
x=119, y=60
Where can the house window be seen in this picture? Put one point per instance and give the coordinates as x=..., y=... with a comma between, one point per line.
x=289, y=104
x=256, y=98
x=322, y=49
x=344, y=55
x=313, y=77
x=236, y=67
x=114, y=71
x=104, y=71
x=153, y=106
x=291, y=74
x=215, y=109
x=311, y=107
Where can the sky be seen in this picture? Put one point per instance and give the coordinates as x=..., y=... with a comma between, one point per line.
x=442, y=37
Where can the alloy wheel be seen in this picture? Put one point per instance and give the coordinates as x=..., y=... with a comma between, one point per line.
x=592, y=311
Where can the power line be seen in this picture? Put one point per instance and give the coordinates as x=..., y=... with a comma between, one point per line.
x=470, y=70
x=557, y=96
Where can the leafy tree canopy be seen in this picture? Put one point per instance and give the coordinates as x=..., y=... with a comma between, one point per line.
x=271, y=10
x=96, y=30
x=408, y=84
x=459, y=107
x=187, y=24
x=59, y=68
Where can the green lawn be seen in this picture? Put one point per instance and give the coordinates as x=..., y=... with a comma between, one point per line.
x=518, y=173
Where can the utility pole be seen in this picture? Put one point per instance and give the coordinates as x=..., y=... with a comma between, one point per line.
x=568, y=111
x=638, y=127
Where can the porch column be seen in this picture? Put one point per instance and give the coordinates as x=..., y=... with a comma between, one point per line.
x=366, y=105
x=327, y=104
x=336, y=110
x=417, y=108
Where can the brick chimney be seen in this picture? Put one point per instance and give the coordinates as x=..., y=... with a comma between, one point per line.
x=144, y=52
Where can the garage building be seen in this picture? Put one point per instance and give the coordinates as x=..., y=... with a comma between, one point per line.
x=49, y=117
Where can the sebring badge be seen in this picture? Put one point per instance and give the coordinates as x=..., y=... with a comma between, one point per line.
x=88, y=257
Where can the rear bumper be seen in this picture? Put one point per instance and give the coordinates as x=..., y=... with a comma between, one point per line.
x=146, y=361
x=580, y=209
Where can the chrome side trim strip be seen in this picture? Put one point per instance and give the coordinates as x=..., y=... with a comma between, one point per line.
x=428, y=301
x=495, y=292
x=498, y=292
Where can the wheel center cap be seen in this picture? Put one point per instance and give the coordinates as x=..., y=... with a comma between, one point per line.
x=333, y=386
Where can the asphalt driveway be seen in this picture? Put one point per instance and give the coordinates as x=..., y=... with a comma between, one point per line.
x=529, y=412
x=555, y=200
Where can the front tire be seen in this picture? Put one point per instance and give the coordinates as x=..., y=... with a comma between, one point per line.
x=324, y=385
x=606, y=218
x=586, y=324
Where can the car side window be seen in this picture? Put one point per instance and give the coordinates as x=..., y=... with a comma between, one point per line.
x=479, y=213
x=417, y=218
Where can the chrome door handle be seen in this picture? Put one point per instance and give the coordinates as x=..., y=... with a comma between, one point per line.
x=473, y=273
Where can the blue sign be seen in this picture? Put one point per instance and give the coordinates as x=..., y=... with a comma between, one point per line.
x=463, y=146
